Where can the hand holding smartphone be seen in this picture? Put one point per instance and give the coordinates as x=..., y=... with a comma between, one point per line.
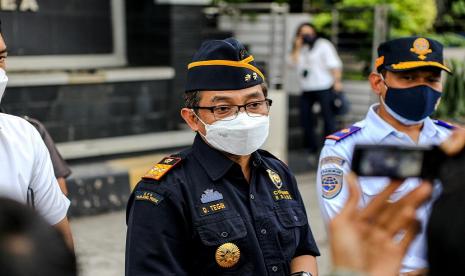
x=397, y=162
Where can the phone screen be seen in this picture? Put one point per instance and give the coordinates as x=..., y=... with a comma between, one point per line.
x=391, y=161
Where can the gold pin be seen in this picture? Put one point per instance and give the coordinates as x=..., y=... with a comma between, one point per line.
x=247, y=77
x=254, y=75
x=227, y=255
x=421, y=48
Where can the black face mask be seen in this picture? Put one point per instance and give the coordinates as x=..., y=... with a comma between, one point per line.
x=309, y=40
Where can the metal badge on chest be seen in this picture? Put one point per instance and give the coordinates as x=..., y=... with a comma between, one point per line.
x=278, y=194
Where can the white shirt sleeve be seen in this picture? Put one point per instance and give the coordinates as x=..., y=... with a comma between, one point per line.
x=332, y=59
x=330, y=183
x=49, y=200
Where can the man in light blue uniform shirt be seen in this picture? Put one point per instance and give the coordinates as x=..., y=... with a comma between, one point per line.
x=408, y=84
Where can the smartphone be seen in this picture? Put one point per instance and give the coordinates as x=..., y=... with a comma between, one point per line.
x=397, y=162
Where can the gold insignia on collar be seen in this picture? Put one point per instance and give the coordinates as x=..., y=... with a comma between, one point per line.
x=227, y=255
x=421, y=48
x=275, y=178
x=247, y=77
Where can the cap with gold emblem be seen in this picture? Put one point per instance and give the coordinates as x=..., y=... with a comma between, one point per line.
x=227, y=255
x=409, y=53
x=222, y=65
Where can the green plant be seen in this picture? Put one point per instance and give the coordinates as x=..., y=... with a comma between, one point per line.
x=448, y=39
x=452, y=105
x=410, y=17
x=452, y=16
x=406, y=17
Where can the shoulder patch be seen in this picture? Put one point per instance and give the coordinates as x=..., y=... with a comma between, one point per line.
x=343, y=133
x=162, y=167
x=331, y=182
x=444, y=124
x=332, y=160
x=148, y=196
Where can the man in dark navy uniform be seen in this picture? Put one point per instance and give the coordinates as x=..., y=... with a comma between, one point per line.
x=221, y=207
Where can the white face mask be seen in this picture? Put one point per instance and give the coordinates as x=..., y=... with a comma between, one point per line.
x=240, y=136
x=3, y=82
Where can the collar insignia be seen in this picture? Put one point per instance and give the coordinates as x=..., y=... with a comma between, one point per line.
x=421, y=48
x=209, y=195
x=275, y=178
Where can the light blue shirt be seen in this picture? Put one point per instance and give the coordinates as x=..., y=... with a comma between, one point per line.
x=335, y=162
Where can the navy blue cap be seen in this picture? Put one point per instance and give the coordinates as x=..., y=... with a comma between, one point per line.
x=409, y=53
x=222, y=65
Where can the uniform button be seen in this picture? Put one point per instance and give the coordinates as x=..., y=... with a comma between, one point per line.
x=224, y=234
x=263, y=231
x=274, y=268
x=252, y=196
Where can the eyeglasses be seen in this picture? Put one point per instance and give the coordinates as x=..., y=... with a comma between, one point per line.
x=229, y=112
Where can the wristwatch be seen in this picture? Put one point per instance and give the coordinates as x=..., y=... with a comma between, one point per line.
x=301, y=273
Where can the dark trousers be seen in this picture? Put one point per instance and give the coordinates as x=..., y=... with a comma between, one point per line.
x=309, y=119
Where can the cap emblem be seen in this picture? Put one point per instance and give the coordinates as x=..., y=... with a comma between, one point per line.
x=421, y=48
x=247, y=77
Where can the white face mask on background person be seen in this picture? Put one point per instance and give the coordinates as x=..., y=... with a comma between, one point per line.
x=3, y=82
x=240, y=136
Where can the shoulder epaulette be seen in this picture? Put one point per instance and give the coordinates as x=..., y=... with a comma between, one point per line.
x=343, y=133
x=162, y=167
x=443, y=124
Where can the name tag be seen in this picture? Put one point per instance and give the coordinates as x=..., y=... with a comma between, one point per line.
x=207, y=209
x=282, y=195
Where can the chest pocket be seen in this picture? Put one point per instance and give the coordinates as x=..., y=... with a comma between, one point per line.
x=291, y=217
x=225, y=230
x=371, y=187
x=291, y=222
x=216, y=232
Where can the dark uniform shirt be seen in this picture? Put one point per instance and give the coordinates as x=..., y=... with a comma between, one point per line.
x=60, y=167
x=176, y=224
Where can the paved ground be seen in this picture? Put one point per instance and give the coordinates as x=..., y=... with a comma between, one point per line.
x=100, y=239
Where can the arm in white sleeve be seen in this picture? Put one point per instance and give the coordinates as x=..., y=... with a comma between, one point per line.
x=331, y=188
x=49, y=201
